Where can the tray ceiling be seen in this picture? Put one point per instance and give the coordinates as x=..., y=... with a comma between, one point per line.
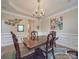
x=26, y=7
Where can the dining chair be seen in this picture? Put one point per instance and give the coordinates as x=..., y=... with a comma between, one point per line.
x=17, y=48
x=50, y=44
x=57, y=53
x=16, y=45
x=34, y=35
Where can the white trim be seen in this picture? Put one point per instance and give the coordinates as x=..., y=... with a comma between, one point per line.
x=69, y=34
x=20, y=10
x=6, y=38
x=45, y=33
x=15, y=14
x=61, y=12
x=58, y=13
x=65, y=11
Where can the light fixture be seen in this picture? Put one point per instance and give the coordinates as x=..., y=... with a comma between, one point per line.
x=38, y=13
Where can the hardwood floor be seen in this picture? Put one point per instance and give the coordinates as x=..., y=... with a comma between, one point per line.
x=24, y=51
x=10, y=48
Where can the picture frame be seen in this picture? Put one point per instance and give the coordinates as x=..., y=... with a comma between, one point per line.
x=56, y=23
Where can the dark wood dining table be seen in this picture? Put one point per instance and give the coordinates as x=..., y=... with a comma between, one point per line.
x=34, y=43
x=72, y=44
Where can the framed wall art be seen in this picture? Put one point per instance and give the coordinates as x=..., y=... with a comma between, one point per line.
x=56, y=23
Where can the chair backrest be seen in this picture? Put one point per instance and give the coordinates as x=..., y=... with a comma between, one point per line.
x=16, y=45
x=51, y=38
x=34, y=35
x=50, y=44
x=53, y=33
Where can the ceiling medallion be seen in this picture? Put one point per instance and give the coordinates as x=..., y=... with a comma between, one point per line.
x=38, y=13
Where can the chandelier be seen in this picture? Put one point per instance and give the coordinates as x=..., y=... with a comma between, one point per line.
x=38, y=12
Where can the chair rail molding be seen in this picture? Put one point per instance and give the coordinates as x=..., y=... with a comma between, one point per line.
x=6, y=38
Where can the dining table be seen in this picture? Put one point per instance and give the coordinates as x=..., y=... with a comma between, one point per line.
x=71, y=44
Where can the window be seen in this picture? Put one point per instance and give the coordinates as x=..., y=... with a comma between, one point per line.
x=20, y=28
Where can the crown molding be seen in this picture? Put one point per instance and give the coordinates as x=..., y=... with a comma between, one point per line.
x=29, y=14
x=16, y=14
x=67, y=10
x=62, y=12
x=56, y=14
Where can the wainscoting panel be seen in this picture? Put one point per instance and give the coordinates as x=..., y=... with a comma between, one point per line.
x=6, y=38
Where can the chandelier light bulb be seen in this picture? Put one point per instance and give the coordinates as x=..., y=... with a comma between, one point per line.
x=39, y=12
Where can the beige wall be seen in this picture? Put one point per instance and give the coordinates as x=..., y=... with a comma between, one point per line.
x=26, y=28
x=45, y=25
x=70, y=22
x=7, y=28
x=70, y=26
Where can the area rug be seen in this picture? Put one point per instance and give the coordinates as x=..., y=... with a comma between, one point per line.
x=59, y=54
